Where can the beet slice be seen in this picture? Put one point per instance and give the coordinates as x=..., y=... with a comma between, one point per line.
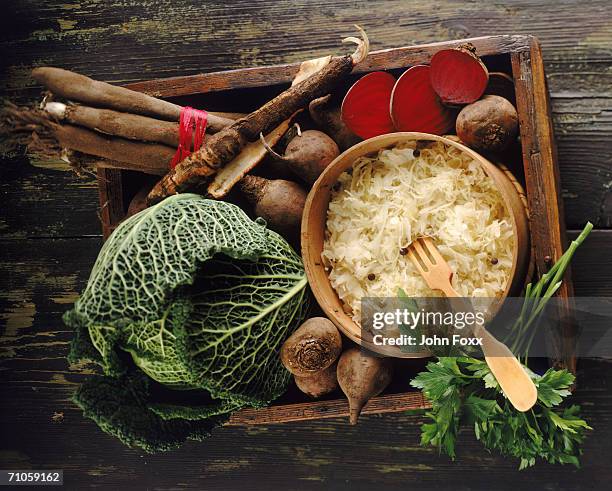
x=458, y=76
x=416, y=107
x=365, y=108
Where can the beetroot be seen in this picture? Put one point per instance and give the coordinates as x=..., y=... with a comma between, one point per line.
x=458, y=76
x=328, y=117
x=416, y=107
x=490, y=124
x=362, y=376
x=279, y=202
x=501, y=84
x=365, y=108
x=308, y=154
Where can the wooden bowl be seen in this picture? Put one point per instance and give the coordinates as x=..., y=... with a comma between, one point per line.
x=315, y=217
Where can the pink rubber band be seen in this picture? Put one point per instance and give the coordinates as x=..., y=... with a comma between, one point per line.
x=192, y=125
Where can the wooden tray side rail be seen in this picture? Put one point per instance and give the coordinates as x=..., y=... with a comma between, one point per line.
x=543, y=187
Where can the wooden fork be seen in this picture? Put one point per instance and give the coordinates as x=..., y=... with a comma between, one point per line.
x=510, y=374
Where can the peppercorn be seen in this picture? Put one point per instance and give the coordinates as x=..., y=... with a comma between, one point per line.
x=371, y=277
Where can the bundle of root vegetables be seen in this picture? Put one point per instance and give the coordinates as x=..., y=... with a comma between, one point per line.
x=109, y=125
x=90, y=123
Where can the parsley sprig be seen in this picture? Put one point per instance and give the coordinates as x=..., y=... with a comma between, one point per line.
x=464, y=391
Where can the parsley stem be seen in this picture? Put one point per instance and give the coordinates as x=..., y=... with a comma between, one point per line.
x=535, y=420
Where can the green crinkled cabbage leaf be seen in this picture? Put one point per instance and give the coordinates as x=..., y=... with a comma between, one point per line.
x=201, y=297
x=120, y=406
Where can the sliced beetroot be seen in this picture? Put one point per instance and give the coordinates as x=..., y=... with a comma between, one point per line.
x=365, y=108
x=458, y=76
x=416, y=107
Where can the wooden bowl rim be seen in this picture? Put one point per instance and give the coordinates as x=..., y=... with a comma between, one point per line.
x=375, y=144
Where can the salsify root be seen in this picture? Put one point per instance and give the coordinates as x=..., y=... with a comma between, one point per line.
x=46, y=139
x=125, y=125
x=76, y=87
x=222, y=147
x=254, y=152
x=150, y=158
x=246, y=160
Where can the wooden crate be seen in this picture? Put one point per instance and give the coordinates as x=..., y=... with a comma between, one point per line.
x=245, y=89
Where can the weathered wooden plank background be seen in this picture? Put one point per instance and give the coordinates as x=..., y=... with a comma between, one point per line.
x=50, y=234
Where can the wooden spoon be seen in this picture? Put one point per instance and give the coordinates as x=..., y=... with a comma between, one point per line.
x=510, y=374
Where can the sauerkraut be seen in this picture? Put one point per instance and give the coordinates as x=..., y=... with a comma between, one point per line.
x=384, y=202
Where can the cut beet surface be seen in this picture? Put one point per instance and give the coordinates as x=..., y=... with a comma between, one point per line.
x=416, y=107
x=365, y=108
x=458, y=76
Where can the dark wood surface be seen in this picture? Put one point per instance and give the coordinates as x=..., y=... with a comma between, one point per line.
x=50, y=235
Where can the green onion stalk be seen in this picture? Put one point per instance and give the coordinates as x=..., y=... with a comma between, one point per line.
x=538, y=295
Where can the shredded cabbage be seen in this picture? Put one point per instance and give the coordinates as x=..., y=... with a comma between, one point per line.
x=385, y=202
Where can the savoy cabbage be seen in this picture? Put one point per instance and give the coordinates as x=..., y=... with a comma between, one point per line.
x=185, y=310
